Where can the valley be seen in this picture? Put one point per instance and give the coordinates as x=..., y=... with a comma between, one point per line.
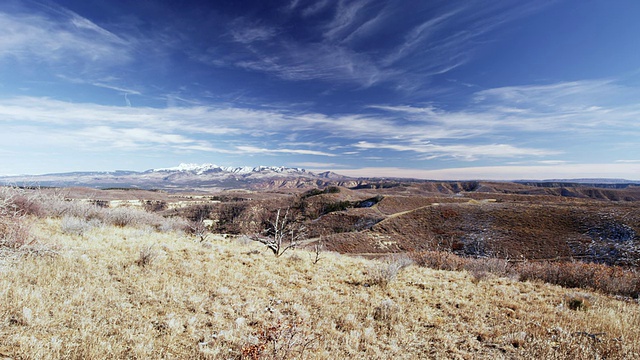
x=533, y=221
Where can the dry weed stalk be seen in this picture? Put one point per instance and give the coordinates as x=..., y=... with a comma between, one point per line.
x=317, y=249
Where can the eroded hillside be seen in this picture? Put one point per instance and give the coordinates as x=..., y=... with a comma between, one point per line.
x=509, y=220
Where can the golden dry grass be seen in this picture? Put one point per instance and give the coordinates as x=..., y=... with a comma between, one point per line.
x=124, y=292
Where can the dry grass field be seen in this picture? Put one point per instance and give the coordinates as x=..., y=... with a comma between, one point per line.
x=100, y=287
x=126, y=292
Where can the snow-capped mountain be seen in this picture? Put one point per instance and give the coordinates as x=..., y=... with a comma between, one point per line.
x=200, y=169
x=183, y=177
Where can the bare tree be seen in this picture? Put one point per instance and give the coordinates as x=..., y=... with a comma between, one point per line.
x=283, y=233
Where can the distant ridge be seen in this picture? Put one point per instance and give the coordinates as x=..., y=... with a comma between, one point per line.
x=592, y=181
x=212, y=177
x=186, y=176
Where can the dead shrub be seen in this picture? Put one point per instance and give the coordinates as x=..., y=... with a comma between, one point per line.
x=199, y=229
x=123, y=217
x=439, y=260
x=383, y=273
x=14, y=227
x=578, y=301
x=173, y=223
x=72, y=225
x=14, y=232
x=609, y=279
x=146, y=256
x=482, y=269
x=284, y=339
x=282, y=232
x=387, y=312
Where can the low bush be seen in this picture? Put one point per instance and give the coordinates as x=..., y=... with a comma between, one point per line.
x=77, y=226
x=385, y=272
x=336, y=206
x=486, y=267
x=439, y=260
x=613, y=280
x=609, y=279
x=14, y=227
x=146, y=256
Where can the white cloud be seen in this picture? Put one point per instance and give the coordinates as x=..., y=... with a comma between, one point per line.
x=317, y=61
x=418, y=35
x=571, y=171
x=248, y=34
x=72, y=40
x=256, y=150
x=496, y=125
x=347, y=16
x=316, y=7
x=320, y=166
x=628, y=161
x=459, y=151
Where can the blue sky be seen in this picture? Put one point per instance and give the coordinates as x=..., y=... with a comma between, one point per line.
x=430, y=89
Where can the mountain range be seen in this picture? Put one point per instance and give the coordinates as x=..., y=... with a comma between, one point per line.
x=182, y=177
x=211, y=177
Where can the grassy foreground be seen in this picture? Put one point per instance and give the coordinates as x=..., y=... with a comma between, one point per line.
x=134, y=292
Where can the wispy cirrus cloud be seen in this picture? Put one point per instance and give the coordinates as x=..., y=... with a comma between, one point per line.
x=292, y=61
x=346, y=47
x=257, y=150
x=514, y=123
x=459, y=151
x=247, y=34
x=60, y=40
x=348, y=15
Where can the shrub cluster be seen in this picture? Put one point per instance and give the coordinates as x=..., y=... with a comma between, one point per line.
x=77, y=217
x=613, y=280
x=383, y=273
x=315, y=192
x=14, y=207
x=608, y=279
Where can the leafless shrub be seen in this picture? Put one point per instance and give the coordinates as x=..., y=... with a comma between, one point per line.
x=387, y=311
x=609, y=279
x=578, y=301
x=123, y=217
x=154, y=206
x=172, y=223
x=56, y=204
x=283, y=233
x=317, y=249
x=29, y=203
x=146, y=256
x=77, y=226
x=14, y=227
x=613, y=280
x=439, y=260
x=282, y=340
x=14, y=232
x=383, y=273
x=126, y=216
x=199, y=229
x=482, y=269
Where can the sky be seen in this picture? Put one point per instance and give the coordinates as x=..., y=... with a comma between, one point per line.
x=469, y=89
